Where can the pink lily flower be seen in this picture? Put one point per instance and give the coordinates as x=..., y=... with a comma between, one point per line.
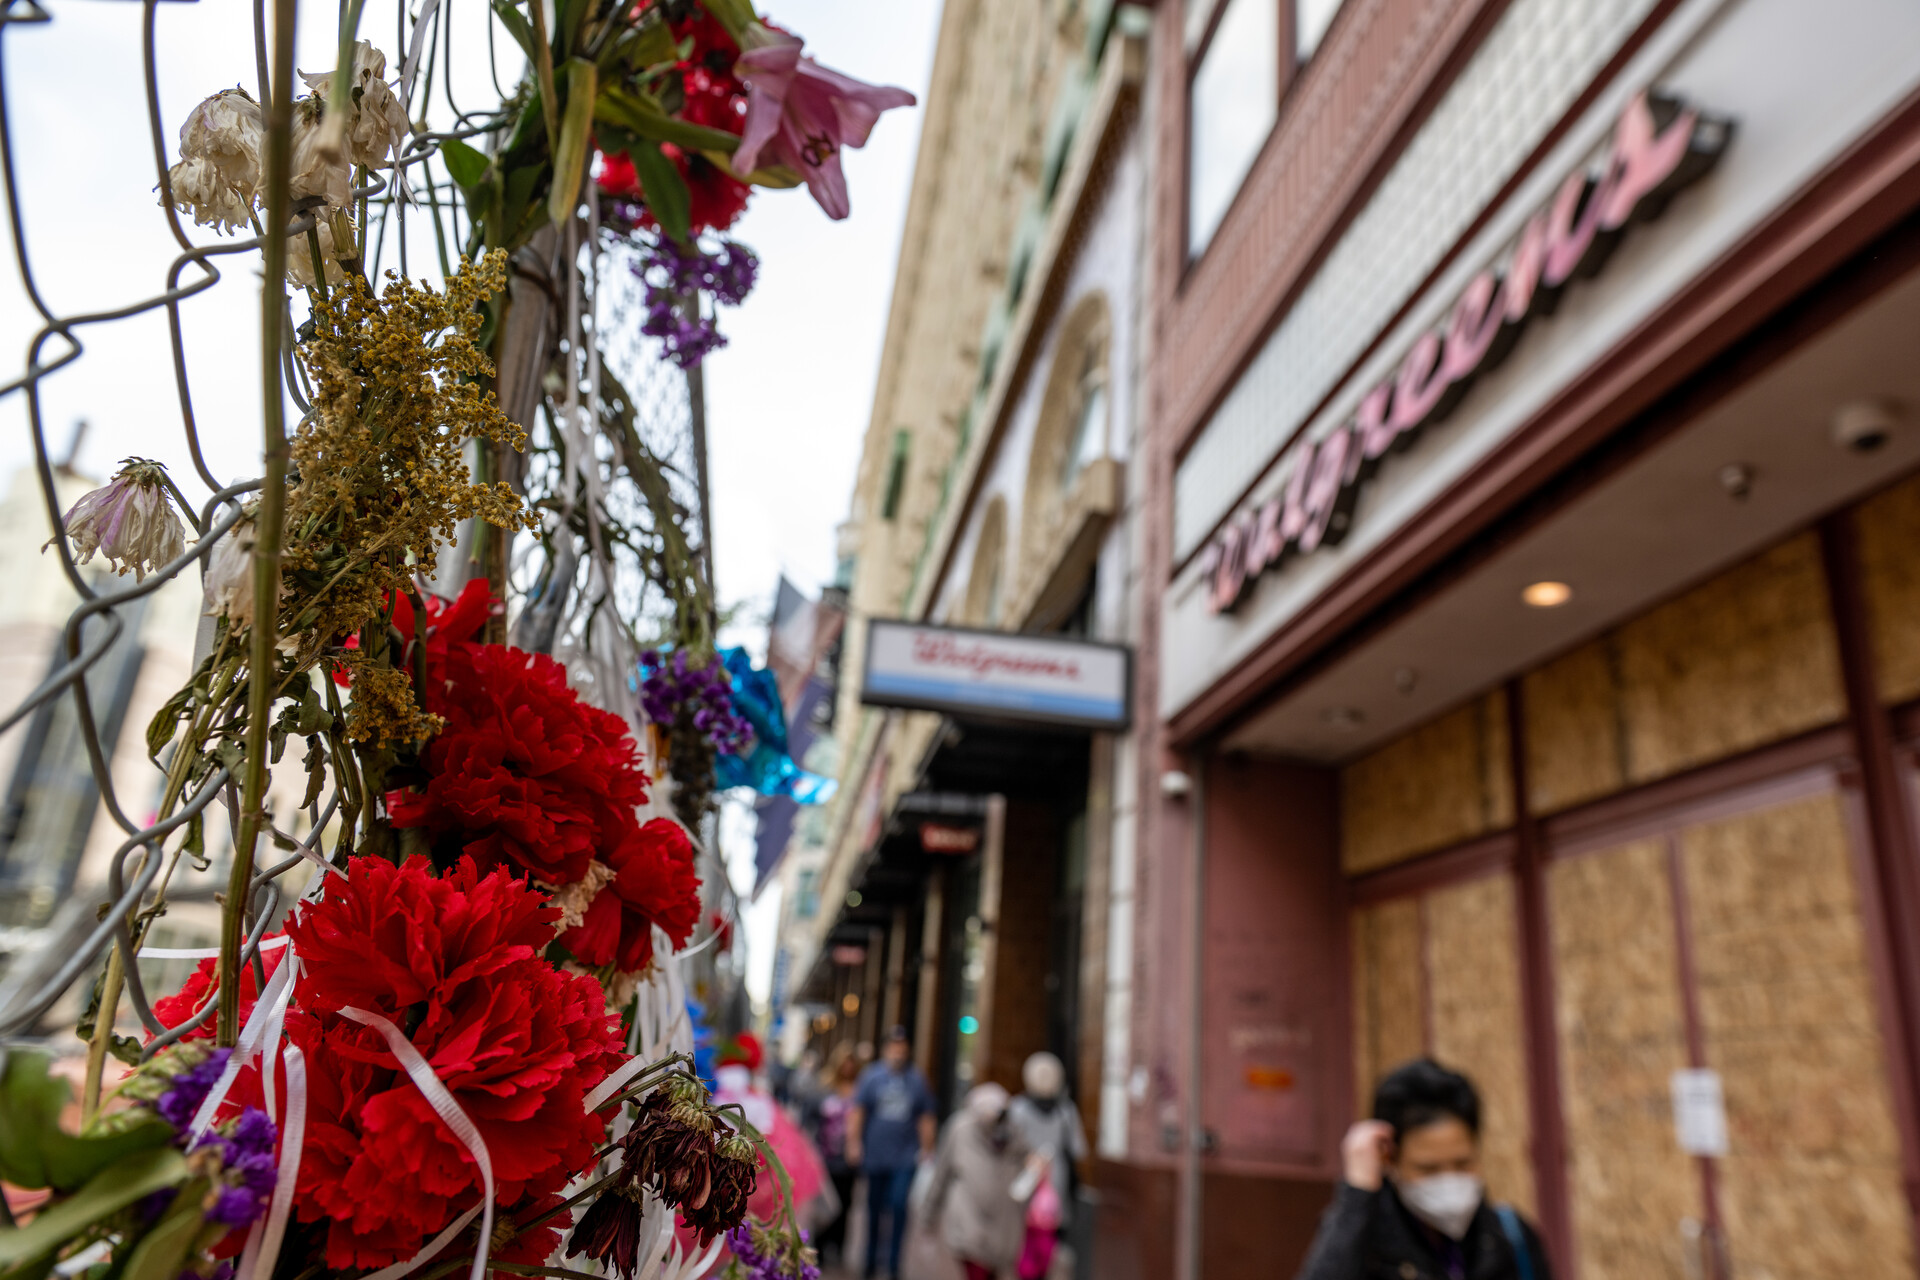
x=800, y=114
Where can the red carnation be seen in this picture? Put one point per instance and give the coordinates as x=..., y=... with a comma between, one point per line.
x=199, y=988
x=524, y=772
x=714, y=97
x=517, y=1042
x=615, y=174
x=387, y=938
x=653, y=883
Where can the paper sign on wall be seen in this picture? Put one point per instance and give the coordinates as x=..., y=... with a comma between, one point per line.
x=1700, y=1112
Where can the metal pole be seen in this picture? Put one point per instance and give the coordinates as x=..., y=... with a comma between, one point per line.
x=697, y=412
x=1188, y=1266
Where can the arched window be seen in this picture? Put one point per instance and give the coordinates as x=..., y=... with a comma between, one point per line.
x=986, y=580
x=1073, y=430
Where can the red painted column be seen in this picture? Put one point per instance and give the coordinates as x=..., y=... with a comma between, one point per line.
x=1536, y=994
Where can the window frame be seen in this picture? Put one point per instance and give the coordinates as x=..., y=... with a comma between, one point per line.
x=1289, y=65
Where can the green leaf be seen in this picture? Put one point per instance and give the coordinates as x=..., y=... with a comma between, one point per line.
x=582, y=81
x=516, y=24
x=519, y=214
x=650, y=43
x=566, y=25
x=35, y=1151
x=465, y=165
x=665, y=191
x=635, y=113
x=735, y=15
x=195, y=845
x=316, y=763
x=162, y=1252
x=161, y=728
x=120, y=1184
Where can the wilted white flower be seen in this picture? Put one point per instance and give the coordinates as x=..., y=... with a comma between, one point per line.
x=373, y=129
x=229, y=577
x=130, y=521
x=318, y=167
x=218, y=176
x=335, y=228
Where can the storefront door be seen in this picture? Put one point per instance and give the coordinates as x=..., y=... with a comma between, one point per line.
x=1726, y=939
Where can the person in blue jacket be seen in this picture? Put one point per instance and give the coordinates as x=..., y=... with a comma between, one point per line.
x=891, y=1130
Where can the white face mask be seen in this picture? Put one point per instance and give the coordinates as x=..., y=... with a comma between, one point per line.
x=1446, y=1201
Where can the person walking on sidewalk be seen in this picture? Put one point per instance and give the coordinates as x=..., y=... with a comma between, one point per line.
x=1410, y=1204
x=1047, y=1121
x=890, y=1131
x=834, y=1116
x=972, y=1205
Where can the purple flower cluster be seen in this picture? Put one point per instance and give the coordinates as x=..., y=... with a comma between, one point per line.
x=773, y=1256
x=676, y=276
x=248, y=1168
x=671, y=687
x=182, y=1099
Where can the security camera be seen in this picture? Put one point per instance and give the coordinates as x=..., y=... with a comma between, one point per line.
x=1864, y=426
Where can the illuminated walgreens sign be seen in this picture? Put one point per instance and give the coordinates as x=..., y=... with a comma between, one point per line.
x=1659, y=147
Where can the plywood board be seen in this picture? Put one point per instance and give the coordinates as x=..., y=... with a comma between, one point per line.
x=1811, y=1187
x=1746, y=659
x=1889, y=529
x=1621, y=1022
x=1575, y=748
x=1473, y=975
x=1447, y=781
x=1389, y=1018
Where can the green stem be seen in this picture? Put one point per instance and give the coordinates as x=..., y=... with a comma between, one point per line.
x=103, y=1030
x=267, y=522
x=514, y=1268
x=543, y=69
x=319, y=260
x=572, y=1200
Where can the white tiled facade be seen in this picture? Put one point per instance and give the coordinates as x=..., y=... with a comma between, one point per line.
x=1529, y=71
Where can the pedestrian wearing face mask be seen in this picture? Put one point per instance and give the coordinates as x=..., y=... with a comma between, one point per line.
x=1044, y=1115
x=1411, y=1205
x=971, y=1206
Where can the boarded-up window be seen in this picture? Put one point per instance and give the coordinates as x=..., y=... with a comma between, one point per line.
x=1743, y=660
x=1439, y=975
x=1445, y=782
x=1622, y=1036
x=1811, y=1187
x=1473, y=976
x=1389, y=1018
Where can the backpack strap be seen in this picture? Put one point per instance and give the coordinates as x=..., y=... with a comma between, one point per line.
x=1510, y=1224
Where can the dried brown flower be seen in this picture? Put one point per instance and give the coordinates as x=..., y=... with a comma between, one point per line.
x=381, y=458
x=609, y=1231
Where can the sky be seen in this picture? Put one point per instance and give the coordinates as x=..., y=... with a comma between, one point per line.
x=788, y=398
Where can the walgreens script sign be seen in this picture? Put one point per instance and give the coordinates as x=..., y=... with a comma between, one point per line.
x=1659, y=146
x=993, y=675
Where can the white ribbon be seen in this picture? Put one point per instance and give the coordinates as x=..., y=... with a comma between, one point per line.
x=204, y=953
x=263, y=1243
x=267, y=1011
x=612, y=1084
x=420, y=28
x=433, y=1247
x=449, y=1110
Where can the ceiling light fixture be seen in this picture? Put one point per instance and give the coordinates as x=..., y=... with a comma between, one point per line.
x=1547, y=595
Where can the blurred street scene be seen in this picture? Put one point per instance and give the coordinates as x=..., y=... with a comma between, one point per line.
x=1365, y=721
x=1385, y=531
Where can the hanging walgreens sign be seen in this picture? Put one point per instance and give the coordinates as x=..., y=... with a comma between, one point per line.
x=1659, y=147
x=993, y=675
